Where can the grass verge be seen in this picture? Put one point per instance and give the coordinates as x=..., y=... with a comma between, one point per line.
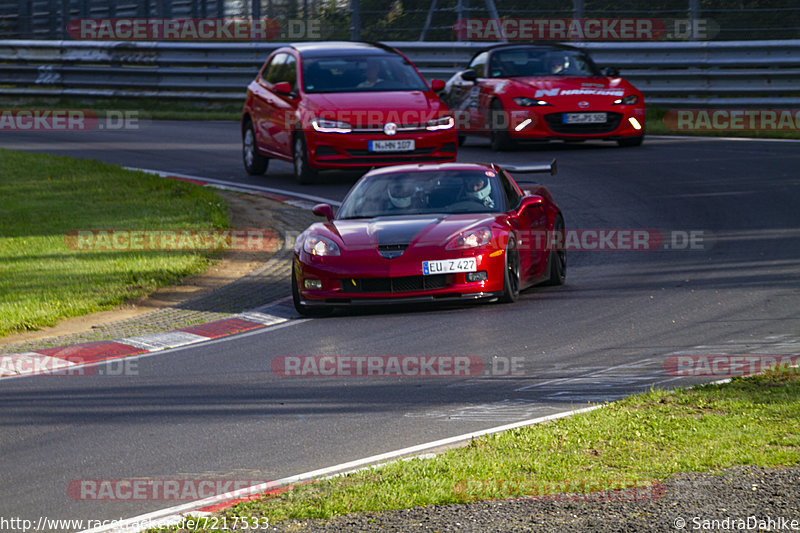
x=43, y=197
x=655, y=126
x=630, y=443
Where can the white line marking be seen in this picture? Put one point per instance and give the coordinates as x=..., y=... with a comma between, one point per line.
x=342, y=468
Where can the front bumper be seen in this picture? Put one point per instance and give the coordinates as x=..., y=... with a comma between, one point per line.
x=546, y=123
x=351, y=150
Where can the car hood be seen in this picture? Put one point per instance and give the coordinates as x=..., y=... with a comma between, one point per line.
x=360, y=108
x=545, y=87
x=412, y=230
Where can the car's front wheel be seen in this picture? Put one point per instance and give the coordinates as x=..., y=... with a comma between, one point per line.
x=557, y=259
x=303, y=172
x=631, y=141
x=498, y=127
x=511, y=278
x=254, y=163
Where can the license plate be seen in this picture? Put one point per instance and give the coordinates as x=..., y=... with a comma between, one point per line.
x=449, y=266
x=584, y=118
x=399, y=145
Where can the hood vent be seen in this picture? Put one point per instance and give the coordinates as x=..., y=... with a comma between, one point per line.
x=390, y=251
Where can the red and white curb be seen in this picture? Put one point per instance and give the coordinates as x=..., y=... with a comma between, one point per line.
x=64, y=360
x=175, y=515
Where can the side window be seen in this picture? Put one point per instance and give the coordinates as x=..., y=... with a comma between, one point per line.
x=272, y=72
x=289, y=72
x=512, y=195
x=478, y=64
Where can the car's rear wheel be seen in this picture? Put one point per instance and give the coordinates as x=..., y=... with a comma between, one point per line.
x=303, y=172
x=631, y=141
x=557, y=259
x=511, y=279
x=302, y=309
x=498, y=127
x=254, y=163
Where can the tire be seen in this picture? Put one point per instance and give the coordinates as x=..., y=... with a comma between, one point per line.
x=462, y=139
x=498, y=127
x=557, y=259
x=303, y=173
x=511, y=277
x=631, y=142
x=303, y=310
x=254, y=163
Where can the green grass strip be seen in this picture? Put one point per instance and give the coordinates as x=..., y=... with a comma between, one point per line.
x=637, y=441
x=43, y=197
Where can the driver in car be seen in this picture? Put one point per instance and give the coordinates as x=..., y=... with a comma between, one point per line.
x=479, y=189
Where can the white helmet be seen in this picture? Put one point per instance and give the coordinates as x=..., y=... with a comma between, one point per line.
x=479, y=188
x=400, y=194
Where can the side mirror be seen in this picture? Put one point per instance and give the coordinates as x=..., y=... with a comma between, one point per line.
x=437, y=85
x=527, y=202
x=610, y=72
x=323, y=210
x=469, y=75
x=282, y=87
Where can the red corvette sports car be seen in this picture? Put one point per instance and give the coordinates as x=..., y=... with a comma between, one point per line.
x=540, y=92
x=326, y=105
x=429, y=233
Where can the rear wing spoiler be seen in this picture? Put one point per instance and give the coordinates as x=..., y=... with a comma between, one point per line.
x=539, y=168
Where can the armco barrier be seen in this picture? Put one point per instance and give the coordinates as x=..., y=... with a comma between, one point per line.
x=669, y=73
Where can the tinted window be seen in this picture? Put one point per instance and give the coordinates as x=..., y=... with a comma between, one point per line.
x=338, y=74
x=511, y=193
x=540, y=62
x=410, y=193
x=289, y=71
x=272, y=72
x=478, y=64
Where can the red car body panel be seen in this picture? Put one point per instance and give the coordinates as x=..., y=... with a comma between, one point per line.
x=427, y=236
x=278, y=117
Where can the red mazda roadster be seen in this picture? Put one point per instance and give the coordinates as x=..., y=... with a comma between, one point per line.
x=430, y=233
x=516, y=92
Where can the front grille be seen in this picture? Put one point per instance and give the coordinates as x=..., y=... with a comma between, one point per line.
x=556, y=123
x=394, y=285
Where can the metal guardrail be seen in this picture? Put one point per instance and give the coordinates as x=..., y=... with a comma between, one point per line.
x=669, y=73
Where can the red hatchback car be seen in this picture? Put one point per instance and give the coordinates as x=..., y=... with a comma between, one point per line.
x=343, y=105
x=521, y=92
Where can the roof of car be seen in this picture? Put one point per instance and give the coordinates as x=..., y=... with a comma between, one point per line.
x=327, y=48
x=515, y=46
x=428, y=167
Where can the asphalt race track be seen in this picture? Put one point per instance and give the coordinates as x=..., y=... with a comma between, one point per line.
x=217, y=410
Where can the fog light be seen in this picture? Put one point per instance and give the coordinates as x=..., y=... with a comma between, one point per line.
x=313, y=284
x=477, y=276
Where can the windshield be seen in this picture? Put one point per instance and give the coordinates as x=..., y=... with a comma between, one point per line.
x=410, y=193
x=360, y=74
x=541, y=62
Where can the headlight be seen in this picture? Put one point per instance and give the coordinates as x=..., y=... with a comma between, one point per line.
x=441, y=123
x=330, y=126
x=524, y=101
x=471, y=239
x=628, y=100
x=321, y=246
